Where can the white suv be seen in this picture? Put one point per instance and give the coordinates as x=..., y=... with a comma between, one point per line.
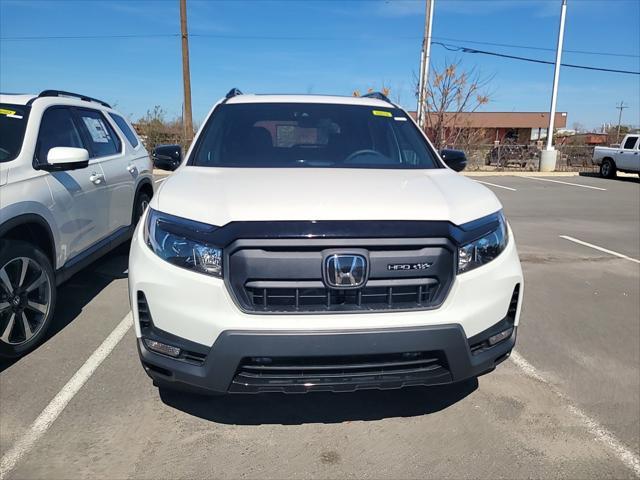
x=74, y=180
x=320, y=243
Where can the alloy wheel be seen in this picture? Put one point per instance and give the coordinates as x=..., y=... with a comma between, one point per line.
x=25, y=300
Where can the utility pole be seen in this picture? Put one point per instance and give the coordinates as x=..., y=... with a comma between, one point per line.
x=425, y=58
x=187, y=119
x=548, y=156
x=620, y=107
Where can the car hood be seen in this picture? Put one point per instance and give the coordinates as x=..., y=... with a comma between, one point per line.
x=218, y=196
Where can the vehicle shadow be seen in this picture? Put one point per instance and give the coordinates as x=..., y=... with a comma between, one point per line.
x=319, y=407
x=80, y=290
x=634, y=179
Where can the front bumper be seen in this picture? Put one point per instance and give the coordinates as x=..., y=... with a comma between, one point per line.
x=196, y=312
x=244, y=362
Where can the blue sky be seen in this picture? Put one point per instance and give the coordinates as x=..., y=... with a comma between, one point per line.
x=319, y=46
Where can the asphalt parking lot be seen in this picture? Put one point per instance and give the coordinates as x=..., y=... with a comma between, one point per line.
x=566, y=405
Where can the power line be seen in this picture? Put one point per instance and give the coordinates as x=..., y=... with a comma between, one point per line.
x=456, y=48
x=301, y=37
x=529, y=47
x=89, y=37
x=448, y=46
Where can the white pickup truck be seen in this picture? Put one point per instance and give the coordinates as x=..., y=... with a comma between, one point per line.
x=624, y=158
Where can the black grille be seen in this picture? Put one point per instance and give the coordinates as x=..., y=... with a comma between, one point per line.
x=286, y=276
x=193, y=357
x=377, y=295
x=513, y=304
x=144, y=315
x=340, y=373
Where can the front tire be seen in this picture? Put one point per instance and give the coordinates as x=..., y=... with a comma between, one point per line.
x=139, y=206
x=608, y=168
x=27, y=297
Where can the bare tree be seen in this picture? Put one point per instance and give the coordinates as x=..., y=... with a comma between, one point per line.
x=386, y=91
x=613, y=137
x=451, y=93
x=578, y=127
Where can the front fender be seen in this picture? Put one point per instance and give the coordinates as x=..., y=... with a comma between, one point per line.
x=22, y=213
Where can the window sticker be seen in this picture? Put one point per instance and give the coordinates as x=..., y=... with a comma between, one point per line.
x=400, y=119
x=96, y=129
x=4, y=111
x=381, y=113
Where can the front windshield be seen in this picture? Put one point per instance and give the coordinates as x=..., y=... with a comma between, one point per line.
x=288, y=135
x=13, y=121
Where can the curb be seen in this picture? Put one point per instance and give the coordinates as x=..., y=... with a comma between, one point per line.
x=543, y=174
x=522, y=174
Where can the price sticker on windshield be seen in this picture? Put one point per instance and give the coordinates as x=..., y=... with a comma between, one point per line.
x=9, y=113
x=382, y=113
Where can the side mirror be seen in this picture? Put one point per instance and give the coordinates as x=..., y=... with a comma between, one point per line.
x=65, y=158
x=167, y=157
x=455, y=159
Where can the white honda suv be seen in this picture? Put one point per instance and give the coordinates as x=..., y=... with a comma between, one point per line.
x=74, y=180
x=320, y=243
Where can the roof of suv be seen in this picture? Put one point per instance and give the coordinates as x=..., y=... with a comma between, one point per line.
x=16, y=98
x=24, y=99
x=52, y=97
x=334, y=99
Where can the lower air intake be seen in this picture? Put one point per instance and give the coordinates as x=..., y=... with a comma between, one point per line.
x=340, y=373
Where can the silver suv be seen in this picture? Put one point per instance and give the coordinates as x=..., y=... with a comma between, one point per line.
x=74, y=179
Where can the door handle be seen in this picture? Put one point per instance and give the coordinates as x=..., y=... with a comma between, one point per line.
x=96, y=178
x=132, y=169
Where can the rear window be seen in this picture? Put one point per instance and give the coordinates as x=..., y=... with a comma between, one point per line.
x=311, y=135
x=103, y=141
x=124, y=128
x=630, y=143
x=13, y=122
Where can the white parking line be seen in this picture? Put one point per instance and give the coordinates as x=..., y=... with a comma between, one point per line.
x=41, y=424
x=621, y=451
x=596, y=247
x=52, y=411
x=565, y=183
x=499, y=186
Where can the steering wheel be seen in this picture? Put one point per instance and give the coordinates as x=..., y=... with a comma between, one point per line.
x=357, y=153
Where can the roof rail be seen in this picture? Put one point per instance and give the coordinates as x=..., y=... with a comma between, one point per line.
x=378, y=96
x=62, y=93
x=234, y=92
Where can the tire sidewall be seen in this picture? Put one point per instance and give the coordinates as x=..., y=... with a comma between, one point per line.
x=10, y=249
x=607, y=169
x=138, y=208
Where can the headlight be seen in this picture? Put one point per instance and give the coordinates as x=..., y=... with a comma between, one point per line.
x=483, y=250
x=183, y=243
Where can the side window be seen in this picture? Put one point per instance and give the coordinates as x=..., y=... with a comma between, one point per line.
x=630, y=143
x=103, y=141
x=124, y=127
x=57, y=129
